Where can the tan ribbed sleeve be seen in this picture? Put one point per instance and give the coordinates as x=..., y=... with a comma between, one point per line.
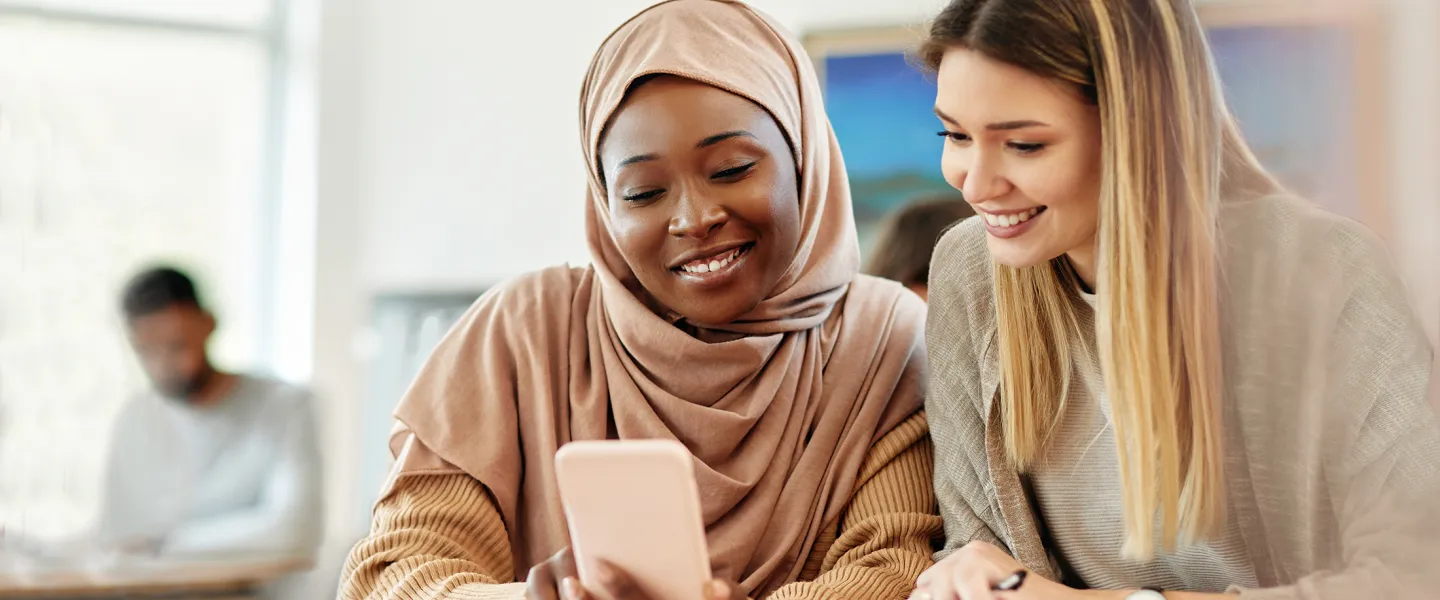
x=434, y=536
x=886, y=534
x=439, y=536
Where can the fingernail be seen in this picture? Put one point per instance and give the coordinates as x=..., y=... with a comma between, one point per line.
x=570, y=588
x=605, y=572
x=717, y=590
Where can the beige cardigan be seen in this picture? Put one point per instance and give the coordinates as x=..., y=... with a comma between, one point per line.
x=1332, y=449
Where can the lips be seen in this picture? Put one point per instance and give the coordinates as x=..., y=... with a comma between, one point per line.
x=1011, y=224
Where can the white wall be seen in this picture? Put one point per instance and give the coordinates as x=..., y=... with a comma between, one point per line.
x=472, y=169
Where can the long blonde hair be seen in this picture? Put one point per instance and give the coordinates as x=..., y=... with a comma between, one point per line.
x=1170, y=151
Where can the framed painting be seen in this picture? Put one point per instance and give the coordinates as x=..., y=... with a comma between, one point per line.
x=1304, y=78
x=881, y=109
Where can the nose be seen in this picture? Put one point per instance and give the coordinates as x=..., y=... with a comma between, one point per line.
x=696, y=218
x=982, y=178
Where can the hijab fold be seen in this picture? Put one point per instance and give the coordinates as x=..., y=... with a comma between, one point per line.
x=779, y=420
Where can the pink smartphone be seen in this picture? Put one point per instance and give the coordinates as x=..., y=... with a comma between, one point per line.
x=634, y=504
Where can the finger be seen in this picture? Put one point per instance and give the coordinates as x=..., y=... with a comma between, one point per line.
x=570, y=589
x=540, y=583
x=929, y=575
x=973, y=584
x=617, y=583
x=943, y=588
x=563, y=564
x=717, y=589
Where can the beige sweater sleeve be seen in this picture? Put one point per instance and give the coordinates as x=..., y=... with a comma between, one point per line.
x=886, y=535
x=434, y=536
x=440, y=536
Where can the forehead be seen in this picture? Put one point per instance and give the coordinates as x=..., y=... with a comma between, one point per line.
x=670, y=110
x=974, y=87
x=171, y=321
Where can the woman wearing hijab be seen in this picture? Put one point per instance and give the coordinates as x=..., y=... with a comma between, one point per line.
x=723, y=309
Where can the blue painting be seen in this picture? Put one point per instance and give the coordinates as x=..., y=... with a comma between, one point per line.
x=881, y=109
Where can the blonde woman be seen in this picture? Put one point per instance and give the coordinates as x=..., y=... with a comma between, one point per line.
x=1154, y=374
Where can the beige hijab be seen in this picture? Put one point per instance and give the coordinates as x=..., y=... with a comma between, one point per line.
x=779, y=421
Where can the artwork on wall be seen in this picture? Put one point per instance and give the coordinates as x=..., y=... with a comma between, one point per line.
x=1303, y=77
x=880, y=108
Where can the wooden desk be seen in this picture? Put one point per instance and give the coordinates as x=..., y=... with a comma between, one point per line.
x=238, y=579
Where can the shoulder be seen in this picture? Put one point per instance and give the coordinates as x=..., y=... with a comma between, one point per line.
x=523, y=315
x=960, y=266
x=962, y=304
x=138, y=412
x=877, y=300
x=277, y=398
x=965, y=240
x=1286, y=246
x=529, y=301
x=538, y=289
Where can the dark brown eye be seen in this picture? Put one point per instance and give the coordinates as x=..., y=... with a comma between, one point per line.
x=643, y=196
x=733, y=172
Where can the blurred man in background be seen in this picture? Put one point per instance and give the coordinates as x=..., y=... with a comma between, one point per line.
x=208, y=462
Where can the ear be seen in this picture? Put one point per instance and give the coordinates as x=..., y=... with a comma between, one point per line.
x=208, y=322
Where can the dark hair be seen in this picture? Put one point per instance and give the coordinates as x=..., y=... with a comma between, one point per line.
x=156, y=289
x=908, y=236
x=1040, y=36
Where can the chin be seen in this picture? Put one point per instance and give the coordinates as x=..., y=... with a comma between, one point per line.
x=1017, y=255
x=714, y=311
x=712, y=317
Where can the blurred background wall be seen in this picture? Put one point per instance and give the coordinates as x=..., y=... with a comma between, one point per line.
x=344, y=174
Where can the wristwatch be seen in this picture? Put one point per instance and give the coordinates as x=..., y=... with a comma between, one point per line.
x=1146, y=594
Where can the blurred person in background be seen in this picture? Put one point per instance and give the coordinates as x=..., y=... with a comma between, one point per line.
x=724, y=308
x=1155, y=372
x=207, y=462
x=907, y=239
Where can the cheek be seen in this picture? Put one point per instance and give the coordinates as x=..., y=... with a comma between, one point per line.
x=783, y=208
x=636, y=232
x=1066, y=185
x=952, y=166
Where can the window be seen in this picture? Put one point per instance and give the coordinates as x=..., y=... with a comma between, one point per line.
x=142, y=134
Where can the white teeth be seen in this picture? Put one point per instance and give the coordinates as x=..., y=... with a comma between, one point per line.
x=714, y=265
x=1011, y=220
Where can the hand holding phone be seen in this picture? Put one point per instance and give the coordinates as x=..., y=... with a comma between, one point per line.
x=634, y=517
x=556, y=579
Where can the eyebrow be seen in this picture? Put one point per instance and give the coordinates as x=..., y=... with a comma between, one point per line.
x=639, y=158
x=705, y=143
x=720, y=137
x=1001, y=126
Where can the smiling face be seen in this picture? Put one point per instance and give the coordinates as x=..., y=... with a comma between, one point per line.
x=1025, y=151
x=703, y=197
